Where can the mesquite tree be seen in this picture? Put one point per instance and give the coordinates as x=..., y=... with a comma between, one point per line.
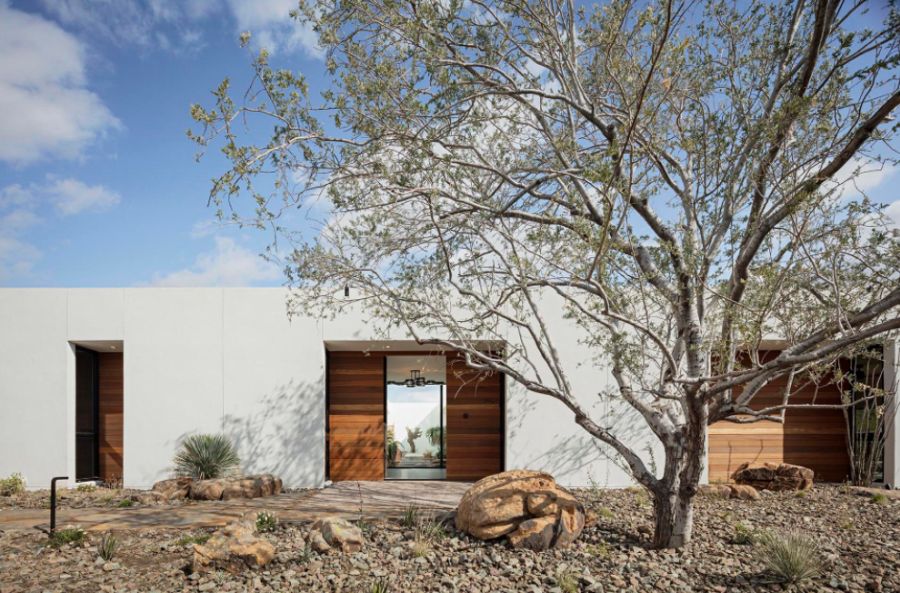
x=670, y=173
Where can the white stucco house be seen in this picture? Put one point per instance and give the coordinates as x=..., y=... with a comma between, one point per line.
x=103, y=383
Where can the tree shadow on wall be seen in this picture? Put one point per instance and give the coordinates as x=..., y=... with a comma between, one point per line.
x=283, y=433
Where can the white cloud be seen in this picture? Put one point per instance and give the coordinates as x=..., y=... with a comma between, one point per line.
x=71, y=196
x=271, y=26
x=227, y=264
x=171, y=25
x=45, y=108
x=861, y=176
x=24, y=207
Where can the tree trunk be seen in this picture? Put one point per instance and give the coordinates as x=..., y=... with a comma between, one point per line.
x=674, y=515
x=673, y=497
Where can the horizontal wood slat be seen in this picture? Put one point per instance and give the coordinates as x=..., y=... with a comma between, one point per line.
x=814, y=438
x=474, y=422
x=111, y=415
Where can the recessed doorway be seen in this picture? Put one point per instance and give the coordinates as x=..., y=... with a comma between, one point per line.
x=415, y=418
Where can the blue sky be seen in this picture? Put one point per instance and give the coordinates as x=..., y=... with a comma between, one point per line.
x=98, y=182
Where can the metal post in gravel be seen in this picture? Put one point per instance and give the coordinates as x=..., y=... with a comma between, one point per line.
x=53, y=502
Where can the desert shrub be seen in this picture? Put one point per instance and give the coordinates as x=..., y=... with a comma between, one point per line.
x=206, y=456
x=428, y=528
x=306, y=554
x=605, y=513
x=86, y=487
x=14, y=484
x=743, y=535
x=792, y=557
x=567, y=581
x=125, y=503
x=879, y=498
x=67, y=535
x=107, y=548
x=266, y=521
x=599, y=550
x=380, y=586
x=410, y=516
x=190, y=539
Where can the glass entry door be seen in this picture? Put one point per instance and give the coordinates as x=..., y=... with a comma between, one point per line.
x=415, y=423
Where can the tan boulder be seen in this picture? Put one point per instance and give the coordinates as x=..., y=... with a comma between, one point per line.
x=739, y=491
x=526, y=506
x=339, y=533
x=207, y=489
x=251, y=487
x=778, y=477
x=234, y=548
x=174, y=489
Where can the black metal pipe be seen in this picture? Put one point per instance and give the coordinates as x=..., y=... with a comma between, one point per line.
x=53, y=502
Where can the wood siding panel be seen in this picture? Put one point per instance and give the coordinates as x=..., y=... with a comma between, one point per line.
x=111, y=411
x=355, y=416
x=812, y=438
x=475, y=422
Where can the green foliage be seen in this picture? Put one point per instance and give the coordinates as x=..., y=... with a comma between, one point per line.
x=67, y=535
x=86, y=487
x=191, y=539
x=380, y=586
x=14, y=484
x=266, y=522
x=879, y=498
x=605, y=513
x=599, y=550
x=109, y=543
x=306, y=554
x=743, y=535
x=206, y=456
x=567, y=580
x=792, y=557
x=410, y=516
x=125, y=503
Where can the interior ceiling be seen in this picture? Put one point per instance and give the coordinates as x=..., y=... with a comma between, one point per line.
x=433, y=368
x=101, y=345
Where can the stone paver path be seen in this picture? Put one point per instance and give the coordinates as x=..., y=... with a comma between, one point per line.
x=346, y=499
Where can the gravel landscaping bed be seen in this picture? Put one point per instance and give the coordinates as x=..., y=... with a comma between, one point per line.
x=859, y=541
x=75, y=498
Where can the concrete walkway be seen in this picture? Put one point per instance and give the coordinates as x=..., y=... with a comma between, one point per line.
x=374, y=500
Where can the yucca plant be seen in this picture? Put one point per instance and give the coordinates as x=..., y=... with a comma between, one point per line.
x=206, y=456
x=266, y=522
x=792, y=556
x=108, y=546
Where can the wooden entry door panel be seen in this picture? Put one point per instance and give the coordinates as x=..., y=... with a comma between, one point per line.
x=355, y=416
x=475, y=422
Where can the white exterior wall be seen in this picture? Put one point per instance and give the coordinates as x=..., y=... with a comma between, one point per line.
x=195, y=360
x=213, y=359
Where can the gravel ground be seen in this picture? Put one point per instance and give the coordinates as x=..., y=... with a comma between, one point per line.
x=74, y=498
x=859, y=543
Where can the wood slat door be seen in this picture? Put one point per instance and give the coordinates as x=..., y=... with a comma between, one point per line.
x=355, y=416
x=111, y=415
x=475, y=422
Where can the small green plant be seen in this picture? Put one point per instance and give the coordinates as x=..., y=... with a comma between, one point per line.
x=107, y=548
x=800, y=494
x=266, y=522
x=206, y=456
x=380, y=586
x=125, y=503
x=599, y=550
x=879, y=498
x=365, y=525
x=86, y=487
x=429, y=529
x=743, y=535
x=67, y=535
x=567, y=581
x=14, y=484
x=605, y=513
x=190, y=539
x=306, y=554
x=410, y=516
x=792, y=557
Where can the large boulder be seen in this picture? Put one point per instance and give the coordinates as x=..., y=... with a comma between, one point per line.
x=771, y=476
x=338, y=534
x=233, y=548
x=174, y=489
x=739, y=491
x=527, y=507
x=229, y=488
